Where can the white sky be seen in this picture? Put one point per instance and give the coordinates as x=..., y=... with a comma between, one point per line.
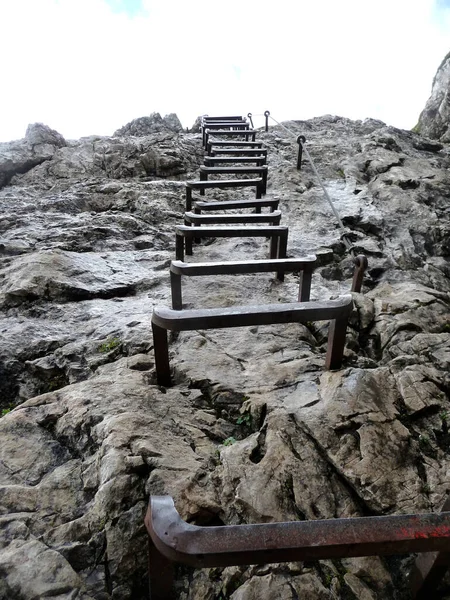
x=89, y=66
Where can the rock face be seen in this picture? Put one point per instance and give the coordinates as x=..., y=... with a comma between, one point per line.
x=152, y=124
x=39, y=145
x=434, y=121
x=254, y=430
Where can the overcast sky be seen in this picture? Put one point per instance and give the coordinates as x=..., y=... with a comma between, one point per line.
x=89, y=66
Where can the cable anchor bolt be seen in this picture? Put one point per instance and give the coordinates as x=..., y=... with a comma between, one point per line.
x=267, y=115
x=300, y=141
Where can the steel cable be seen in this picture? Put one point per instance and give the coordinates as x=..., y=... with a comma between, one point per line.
x=345, y=239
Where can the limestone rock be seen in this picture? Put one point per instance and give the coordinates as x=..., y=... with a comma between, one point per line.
x=434, y=121
x=153, y=124
x=38, y=133
x=60, y=275
x=197, y=126
x=173, y=122
x=39, y=145
x=253, y=430
x=275, y=587
x=31, y=570
x=80, y=477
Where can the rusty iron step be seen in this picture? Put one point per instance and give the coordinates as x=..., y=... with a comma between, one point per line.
x=258, y=184
x=207, y=118
x=235, y=125
x=249, y=134
x=164, y=319
x=277, y=234
x=206, y=171
x=211, y=161
x=171, y=539
x=271, y=203
x=273, y=218
x=232, y=144
x=219, y=151
x=305, y=265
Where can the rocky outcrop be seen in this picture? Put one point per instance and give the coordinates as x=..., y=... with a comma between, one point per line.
x=254, y=430
x=150, y=157
x=39, y=145
x=434, y=121
x=197, y=126
x=152, y=124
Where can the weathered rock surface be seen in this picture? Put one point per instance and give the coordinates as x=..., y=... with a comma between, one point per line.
x=254, y=430
x=434, y=121
x=39, y=145
x=152, y=124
